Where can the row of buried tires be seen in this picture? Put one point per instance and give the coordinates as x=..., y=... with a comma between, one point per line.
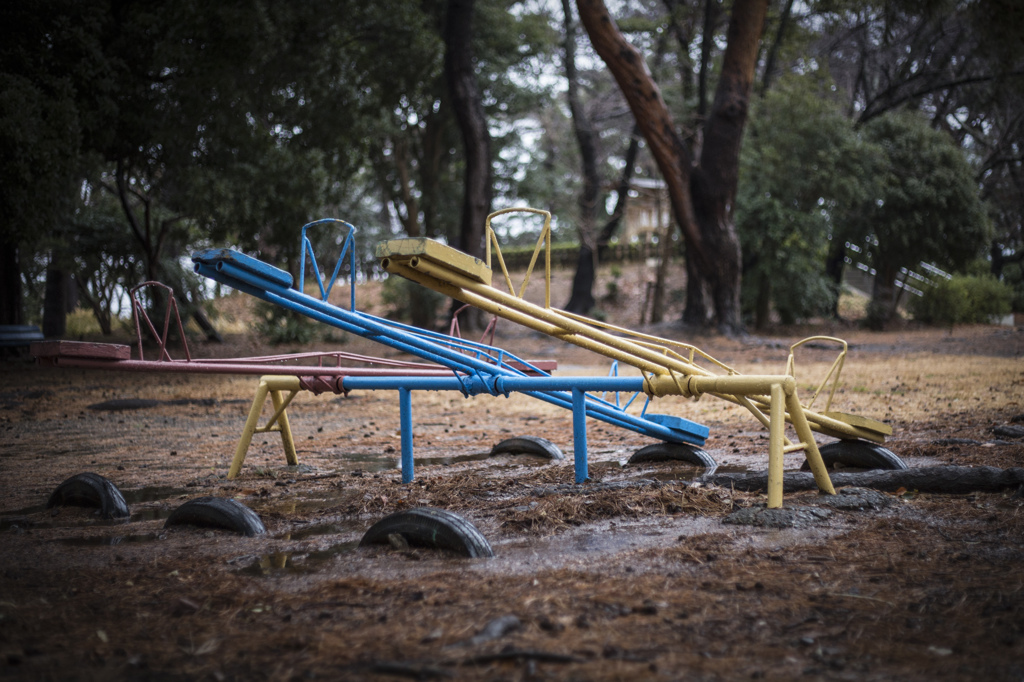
x=423, y=526
x=419, y=526
x=846, y=453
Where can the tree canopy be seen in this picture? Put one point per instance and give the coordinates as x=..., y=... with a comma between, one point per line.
x=132, y=133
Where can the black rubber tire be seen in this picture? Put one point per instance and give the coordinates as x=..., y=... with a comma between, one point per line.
x=858, y=453
x=430, y=527
x=90, y=490
x=217, y=512
x=528, y=445
x=674, y=452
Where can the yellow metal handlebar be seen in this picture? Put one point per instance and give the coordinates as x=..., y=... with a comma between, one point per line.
x=543, y=240
x=833, y=373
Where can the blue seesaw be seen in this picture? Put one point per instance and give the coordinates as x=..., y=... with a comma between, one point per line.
x=476, y=368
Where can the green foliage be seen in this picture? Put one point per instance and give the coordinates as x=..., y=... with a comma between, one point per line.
x=963, y=299
x=801, y=165
x=924, y=205
x=1013, y=276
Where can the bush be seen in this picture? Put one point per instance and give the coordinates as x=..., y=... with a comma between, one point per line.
x=1013, y=275
x=964, y=299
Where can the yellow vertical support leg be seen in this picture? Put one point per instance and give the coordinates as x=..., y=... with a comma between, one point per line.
x=806, y=436
x=776, y=438
x=250, y=428
x=286, y=431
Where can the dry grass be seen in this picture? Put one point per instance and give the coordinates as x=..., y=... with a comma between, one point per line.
x=615, y=579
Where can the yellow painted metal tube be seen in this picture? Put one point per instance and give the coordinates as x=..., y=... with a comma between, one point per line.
x=811, y=452
x=286, y=431
x=518, y=317
x=828, y=425
x=665, y=373
x=272, y=385
x=249, y=429
x=776, y=432
x=485, y=304
x=567, y=329
x=553, y=323
x=739, y=384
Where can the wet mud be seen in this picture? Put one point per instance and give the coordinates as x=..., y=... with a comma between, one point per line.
x=644, y=572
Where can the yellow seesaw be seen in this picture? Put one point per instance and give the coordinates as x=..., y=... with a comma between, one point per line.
x=669, y=367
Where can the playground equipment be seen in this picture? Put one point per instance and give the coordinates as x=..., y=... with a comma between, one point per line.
x=473, y=367
x=668, y=367
x=282, y=377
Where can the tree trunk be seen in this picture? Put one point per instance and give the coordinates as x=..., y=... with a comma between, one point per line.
x=773, y=51
x=707, y=39
x=626, y=178
x=100, y=306
x=882, y=305
x=937, y=479
x=621, y=194
x=714, y=185
x=56, y=302
x=476, y=138
x=10, y=284
x=582, y=300
x=835, y=263
x=469, y=112
x=652, y=117
x=696, y=313
x=204, y=323
x=664, y=258
x=701, y=197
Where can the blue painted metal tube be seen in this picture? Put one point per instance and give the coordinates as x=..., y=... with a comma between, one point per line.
x=542, y=388
x=405, y=420
x=579, y=434
x=376, y=329
x=358, y=323
x=371, y=327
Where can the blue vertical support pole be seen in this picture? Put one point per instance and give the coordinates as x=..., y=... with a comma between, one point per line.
x=579, y=433
x=405, y=421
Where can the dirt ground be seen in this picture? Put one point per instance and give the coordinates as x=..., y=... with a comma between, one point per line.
x=633, y=575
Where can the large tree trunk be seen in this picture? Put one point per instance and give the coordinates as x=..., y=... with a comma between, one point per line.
x=714, y=184
x=469, y=112
x=707, y=39
x=476, y=138
x=650, y=112
x=582, y=299
x=701, y=197
x=835, y=263
x=626, y=178
x=10, y=284
x=57, y=302
x=696, y=313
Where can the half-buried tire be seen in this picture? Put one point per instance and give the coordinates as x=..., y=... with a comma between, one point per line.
x=90, y=490
x=858, y=453
x=528, y=445
x=217, y=512
x=674, y=452
x=430, y=527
